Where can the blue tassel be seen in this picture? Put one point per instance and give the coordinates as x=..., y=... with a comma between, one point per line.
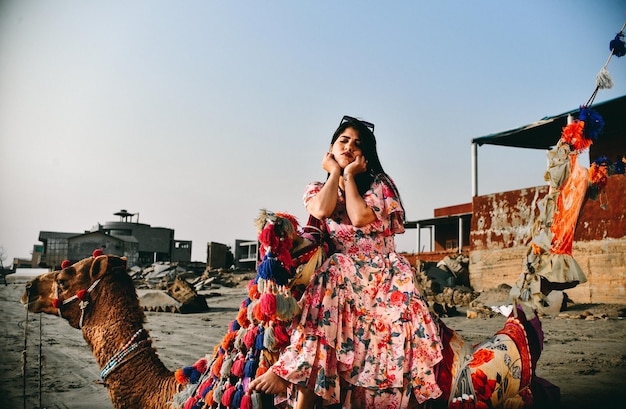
x=258, y=341
x=195, y=375
x=187, y=371
x=272, y=269
x=247, y=301
x=234, y=326
x=594, y=124
x=236, y=403
x=618, y=46
x=249, y=370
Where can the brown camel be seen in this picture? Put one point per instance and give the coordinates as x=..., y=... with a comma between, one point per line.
x=98, y=296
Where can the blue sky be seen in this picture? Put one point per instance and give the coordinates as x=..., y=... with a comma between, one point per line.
x=196, y=114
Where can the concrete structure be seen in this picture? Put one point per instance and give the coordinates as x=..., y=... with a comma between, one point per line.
x=140, y=243
x=500, y=223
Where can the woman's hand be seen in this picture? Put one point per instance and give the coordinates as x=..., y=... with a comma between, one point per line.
x=329, y=163
x=359, y=165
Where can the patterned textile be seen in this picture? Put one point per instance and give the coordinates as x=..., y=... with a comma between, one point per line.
x=498, y=372
x=363, y=322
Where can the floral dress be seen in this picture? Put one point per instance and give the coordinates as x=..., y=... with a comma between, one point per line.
x=365, y=337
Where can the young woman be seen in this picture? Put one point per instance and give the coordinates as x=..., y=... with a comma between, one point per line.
x=365, y=337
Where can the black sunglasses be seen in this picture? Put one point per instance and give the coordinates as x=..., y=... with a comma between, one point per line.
x=347, y=118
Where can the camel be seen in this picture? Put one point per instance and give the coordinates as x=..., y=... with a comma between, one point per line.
x=97, y=296
x=100, y=299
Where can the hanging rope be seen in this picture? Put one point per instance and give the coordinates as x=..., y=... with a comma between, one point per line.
x=24, y=351
x=603, y=80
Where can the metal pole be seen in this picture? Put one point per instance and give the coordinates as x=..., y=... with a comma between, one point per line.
x=474, y=169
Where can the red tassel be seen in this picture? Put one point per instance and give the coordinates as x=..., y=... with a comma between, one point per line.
x=191, y=402
x=65, y=264
x=56, y=303
x=250, y=337
x=227, y=397
x=201, y=365
x=238, y=366
x=267, y=237
x=81, y=295
x=97, y=253
x=268, y=304
x=246, y=402
x=282, y=338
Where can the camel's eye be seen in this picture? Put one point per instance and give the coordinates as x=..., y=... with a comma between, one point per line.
x=62, y=284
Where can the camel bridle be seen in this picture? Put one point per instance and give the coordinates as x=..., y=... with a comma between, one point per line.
x=82, y=296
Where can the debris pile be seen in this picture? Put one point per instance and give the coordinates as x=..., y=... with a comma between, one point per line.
x=169, y=287
x=446, y=284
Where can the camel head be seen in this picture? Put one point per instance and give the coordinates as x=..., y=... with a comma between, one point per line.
x=67, y=292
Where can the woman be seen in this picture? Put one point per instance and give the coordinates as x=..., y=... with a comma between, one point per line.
x=365, y=337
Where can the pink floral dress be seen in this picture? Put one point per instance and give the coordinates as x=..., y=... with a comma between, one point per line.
x=365, y=337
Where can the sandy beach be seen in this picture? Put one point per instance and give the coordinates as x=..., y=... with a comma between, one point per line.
x=586, y=359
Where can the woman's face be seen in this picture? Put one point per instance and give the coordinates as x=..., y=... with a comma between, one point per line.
x=347, y=147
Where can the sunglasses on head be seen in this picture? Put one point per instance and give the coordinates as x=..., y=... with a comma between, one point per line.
x=347, y=118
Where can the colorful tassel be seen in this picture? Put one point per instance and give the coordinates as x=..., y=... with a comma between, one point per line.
x=269, y=342
x=257, y=313
x=250, y=336
x=242, y=318
x=268, y=304
x=604, y=79
x=217, y=365
x=65, y=264
x=238, y=366
x=256, y=400
x=180, y=376
x=250, y=367
x=228, y=340
x=228, y=363
x=281, y=335
x=237, y=397
x=234, y=326
x=594, y=124
x=617, y=45
x=219, y=391
x=258, y=342
x=208, y=398
x=227, y=397
x=246, y=402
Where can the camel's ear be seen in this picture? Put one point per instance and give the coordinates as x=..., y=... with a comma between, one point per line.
x=99, y=266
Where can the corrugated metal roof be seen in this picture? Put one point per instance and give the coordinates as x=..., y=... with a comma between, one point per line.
x=546, y=132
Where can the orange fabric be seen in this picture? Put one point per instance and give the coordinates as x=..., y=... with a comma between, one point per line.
x=571, y=196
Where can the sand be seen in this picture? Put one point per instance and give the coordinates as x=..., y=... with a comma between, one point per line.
x=586, y=359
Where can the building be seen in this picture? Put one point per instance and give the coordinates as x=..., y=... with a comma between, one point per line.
x=140, y=243
x=494, y=229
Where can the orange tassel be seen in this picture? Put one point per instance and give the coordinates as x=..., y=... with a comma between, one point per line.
x=217, y=365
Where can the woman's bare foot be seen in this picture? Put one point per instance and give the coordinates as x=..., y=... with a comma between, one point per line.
x=269, y=383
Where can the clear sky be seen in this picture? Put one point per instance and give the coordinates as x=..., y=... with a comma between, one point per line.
x=196, y=114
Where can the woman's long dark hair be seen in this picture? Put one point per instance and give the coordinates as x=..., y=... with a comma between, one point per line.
x=374, y=170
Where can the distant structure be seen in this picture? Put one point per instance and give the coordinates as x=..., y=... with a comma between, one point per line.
x=140, y=243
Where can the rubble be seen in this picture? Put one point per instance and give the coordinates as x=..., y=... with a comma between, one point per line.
x=169, y=287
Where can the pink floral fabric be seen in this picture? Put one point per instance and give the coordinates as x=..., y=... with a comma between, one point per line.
x=365, y=334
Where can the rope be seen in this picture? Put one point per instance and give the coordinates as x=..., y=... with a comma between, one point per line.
x=24, y=351
x=595, y=92
x=40, y=359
